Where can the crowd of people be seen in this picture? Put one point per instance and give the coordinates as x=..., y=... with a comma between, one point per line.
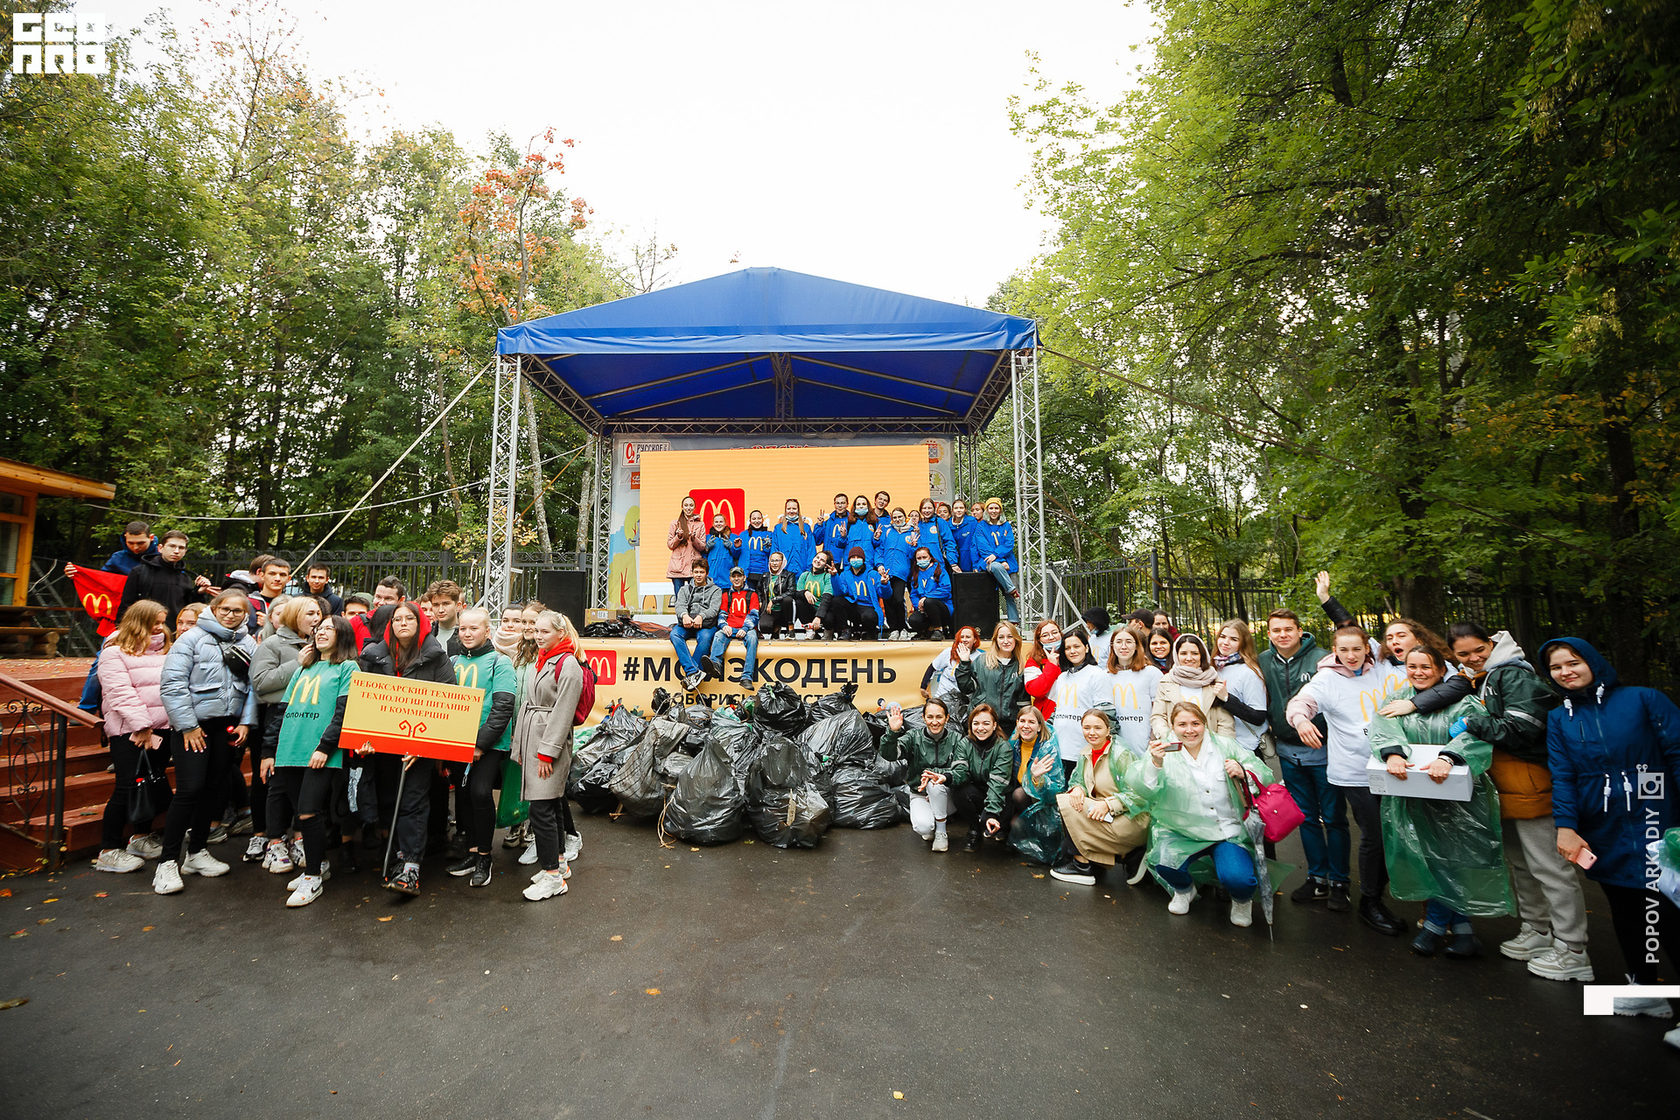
x=1086, y=745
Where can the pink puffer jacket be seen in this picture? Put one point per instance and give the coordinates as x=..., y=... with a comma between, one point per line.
x=130, y=683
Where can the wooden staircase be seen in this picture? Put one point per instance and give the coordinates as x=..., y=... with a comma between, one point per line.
x=87, y=784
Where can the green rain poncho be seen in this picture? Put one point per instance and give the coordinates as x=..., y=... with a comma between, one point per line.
x=1446, y=850
x=1179, y=828
x=1036, y=831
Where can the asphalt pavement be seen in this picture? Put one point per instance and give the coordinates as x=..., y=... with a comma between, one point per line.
x=867, y=977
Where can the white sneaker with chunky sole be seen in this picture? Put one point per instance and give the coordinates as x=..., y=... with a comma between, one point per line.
x=167, y=878
x=119, y=861
x=203, y=863
x=1181, y=901
x=547, y=884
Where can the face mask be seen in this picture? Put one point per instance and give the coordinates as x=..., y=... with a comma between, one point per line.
x=857, y=564
x=861, y=509
x=923, y=562
x=792, y=517
x=1053, y=646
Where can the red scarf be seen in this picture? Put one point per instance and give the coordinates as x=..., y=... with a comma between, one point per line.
x=1098, y=752
x=544, y=656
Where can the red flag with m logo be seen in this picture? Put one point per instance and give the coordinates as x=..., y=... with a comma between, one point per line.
x=99, y=593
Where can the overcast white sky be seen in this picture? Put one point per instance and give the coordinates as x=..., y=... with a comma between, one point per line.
x=866, y=141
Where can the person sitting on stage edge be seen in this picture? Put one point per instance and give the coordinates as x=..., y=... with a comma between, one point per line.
x=856, y=602
x=784, y=607
x=698, y=605
x=737, y=618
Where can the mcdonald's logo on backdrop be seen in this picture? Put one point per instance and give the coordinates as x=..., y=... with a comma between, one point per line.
x=604, y=663
x=731, y=503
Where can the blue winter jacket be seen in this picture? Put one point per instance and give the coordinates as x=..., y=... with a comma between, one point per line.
x=935, y=536
x=859, y=535
x=197, y=685
x=832, y=530
x=124, y=561
x=1614, y=751
x=931, y=583
x=963, y=538
x=995, y=540
x=863, y=588
x=722, y=554
x=756, y=547
x=797, y=543
x=893, y=553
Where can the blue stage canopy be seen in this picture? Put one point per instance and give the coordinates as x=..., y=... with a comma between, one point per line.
x=768, y=350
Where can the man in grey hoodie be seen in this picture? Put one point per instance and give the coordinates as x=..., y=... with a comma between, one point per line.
x=698, y=605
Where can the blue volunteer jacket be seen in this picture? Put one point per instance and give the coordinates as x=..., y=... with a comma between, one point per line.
x=1614, y=751
x=935, y=536
x=894, y=552
x=963, y=538
x=995, y=540
x=864, y=589
x=757, y=547
x=796, y=542
x=859, y=535
x=931, y=583
x=832, y=530
x=722, y=553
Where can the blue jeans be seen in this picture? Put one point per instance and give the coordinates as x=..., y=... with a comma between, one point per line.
x=1231, y=862
x=720, y=645
x=1006, y=583
x=678, y=583
x=702, y=643
x=1324, y=834
x=1439, y=918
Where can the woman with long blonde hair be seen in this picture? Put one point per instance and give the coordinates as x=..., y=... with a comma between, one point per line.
x=995, y=677
x=129, y=669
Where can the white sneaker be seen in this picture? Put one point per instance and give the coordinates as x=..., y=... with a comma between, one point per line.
x=167, y=878
x=1181, y=901
x=1242, y=913
x=1642, y=1005
x=149, y=846
x=1673, y=1038
x=529, y=855
x=326, y=873
x=574, y=845
x=565, y=871
x=255, y=848
x=305, y=889
x=1527, y=944
x=547, y=884
x=1563, y=963
x=119, y=861
x=941, y=842
x=278, y=859
x=297, y=853
x=203, y=863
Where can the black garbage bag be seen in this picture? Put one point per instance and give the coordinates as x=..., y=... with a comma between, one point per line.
x=862, y=798
x=834, y=703
x=676, y=764
x=637, y=785
x=696, y=715
x=595, y=766
x=840, y=740
x=784, y=805
x=708, y=806
x=779, y=708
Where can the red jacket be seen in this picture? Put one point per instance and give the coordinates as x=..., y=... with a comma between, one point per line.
x=738, y=606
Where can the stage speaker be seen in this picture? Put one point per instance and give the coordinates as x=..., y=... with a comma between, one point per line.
x=564, y=591
x=974, y=601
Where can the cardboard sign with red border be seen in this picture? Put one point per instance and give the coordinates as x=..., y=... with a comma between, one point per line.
x=394, y=715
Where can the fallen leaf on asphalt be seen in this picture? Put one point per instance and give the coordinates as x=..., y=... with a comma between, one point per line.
x=44, y=901
x=618, y=937
x=147, y=929
x=103, y=894
x=897, y=1096
x=387, y=917
x=651, y=991
x=11, y=1003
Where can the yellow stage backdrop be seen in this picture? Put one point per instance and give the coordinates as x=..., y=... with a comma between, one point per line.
x=736, y=481
x=630, y=671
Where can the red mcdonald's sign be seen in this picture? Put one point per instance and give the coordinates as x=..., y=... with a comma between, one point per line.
x=605, y=664
x=731, y=503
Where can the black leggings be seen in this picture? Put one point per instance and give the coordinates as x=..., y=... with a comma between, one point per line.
x=1367, y=814
x=934, y=615
x=125, y=756
x=546, y=823
x=200, y=779
x=480, y=822
x=782, y=613
x=893, y=603
x=1644, y=921
x=310, y=793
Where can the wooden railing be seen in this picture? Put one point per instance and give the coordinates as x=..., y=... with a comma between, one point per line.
x=35, y=728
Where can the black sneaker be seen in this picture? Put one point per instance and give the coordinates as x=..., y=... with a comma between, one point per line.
x=1313, y=890
x=710, y=668
x=1339, y=903
x=481, y=873
x=466, y=865
x=1075, y=871
x=1374, y=914
x=972, y=844
x=406, y=881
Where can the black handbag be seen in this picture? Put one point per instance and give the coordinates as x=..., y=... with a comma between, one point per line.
x=150, y=796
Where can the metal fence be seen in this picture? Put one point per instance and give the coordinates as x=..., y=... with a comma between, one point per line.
x=1125, y=587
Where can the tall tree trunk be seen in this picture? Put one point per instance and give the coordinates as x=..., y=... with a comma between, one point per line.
x=538, y=508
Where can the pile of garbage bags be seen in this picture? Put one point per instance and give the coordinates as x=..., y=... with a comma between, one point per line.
x=787, y=769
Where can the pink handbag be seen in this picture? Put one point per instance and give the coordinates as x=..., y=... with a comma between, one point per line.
x=1278, y=811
